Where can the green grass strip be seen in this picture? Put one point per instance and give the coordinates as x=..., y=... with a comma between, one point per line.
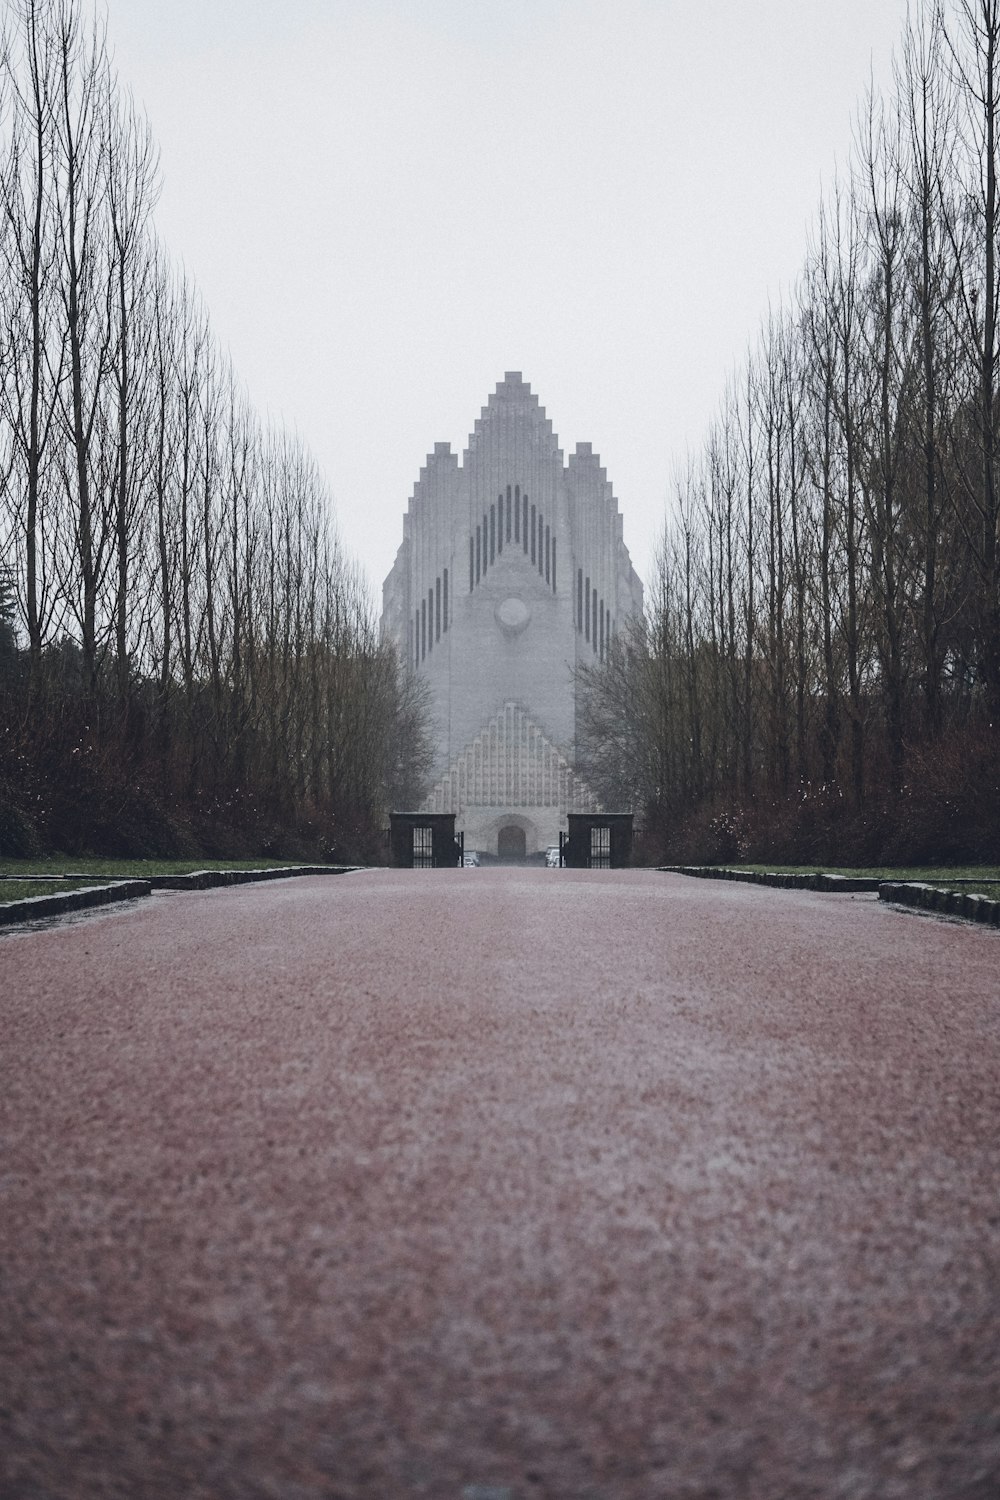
x=134, y=869
x=22, y=890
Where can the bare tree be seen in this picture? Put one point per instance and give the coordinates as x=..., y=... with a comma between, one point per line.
x=972, y=222
x=129, y=161
x=29, y=390
x=79, y=144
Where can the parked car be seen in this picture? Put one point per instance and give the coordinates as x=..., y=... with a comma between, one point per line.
x=470, y=859
x=552, y=857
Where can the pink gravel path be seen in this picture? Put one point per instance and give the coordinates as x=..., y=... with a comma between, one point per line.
x=500, y=1185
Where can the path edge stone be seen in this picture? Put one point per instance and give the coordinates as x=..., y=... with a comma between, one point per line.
x=911, y=893
x=29, y=908
x=817, y=880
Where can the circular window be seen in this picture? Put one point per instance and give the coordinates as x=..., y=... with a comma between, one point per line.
x=513, y=615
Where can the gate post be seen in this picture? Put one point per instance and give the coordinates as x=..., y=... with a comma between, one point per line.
x=575, y=850
x=439, y=830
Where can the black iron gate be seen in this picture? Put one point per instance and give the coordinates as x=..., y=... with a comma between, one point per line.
x=597, y=841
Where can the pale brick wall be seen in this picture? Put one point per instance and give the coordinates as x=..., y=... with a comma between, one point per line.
x=494, y=629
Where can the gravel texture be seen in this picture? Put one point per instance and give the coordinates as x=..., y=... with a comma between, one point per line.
x=500, y=1185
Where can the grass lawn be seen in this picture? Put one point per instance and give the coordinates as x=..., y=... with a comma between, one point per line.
x=17, y=890
x=132, y=869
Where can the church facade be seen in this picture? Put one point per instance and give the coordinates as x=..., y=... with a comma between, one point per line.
x=511, y=573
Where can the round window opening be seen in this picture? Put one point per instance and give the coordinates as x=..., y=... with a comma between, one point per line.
x=513, y=615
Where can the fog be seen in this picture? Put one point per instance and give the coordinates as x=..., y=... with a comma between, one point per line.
x=387, y=204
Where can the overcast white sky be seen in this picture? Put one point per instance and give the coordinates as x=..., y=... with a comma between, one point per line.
x=388, y=203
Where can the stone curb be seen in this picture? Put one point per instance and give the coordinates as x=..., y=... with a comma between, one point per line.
x=30, y=907
x=948, y=903
x=973, y=908
x=816, y=881
x=203, y=880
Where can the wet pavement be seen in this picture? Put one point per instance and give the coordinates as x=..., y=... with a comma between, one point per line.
x=500, y=1185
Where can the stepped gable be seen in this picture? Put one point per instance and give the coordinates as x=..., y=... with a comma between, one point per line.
x=439, y=460
x=512, y=575
x=513, y=399
x=585, y=471
x=585, y=466
x=584, y=457
x=511, y=763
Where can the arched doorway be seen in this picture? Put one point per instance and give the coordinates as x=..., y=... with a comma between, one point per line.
x=511, y=844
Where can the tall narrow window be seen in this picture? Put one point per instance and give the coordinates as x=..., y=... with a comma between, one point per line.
x=423, y=628
x=586, y=610
x=437, y=609
x=472, y=565
x=486, y=542
x=444, y=601
x=548, y=555
x=500, y=522
x=524, y=518
x=493, y=534
x=593, y=640
x=479, y=551
x=508, y=513
x=579, y=598
x=534, y=552
x=517, y=513
x=601, y=612
x=553, y=562
x=430, y=619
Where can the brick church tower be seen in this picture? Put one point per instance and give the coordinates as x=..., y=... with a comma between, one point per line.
x=511, y=572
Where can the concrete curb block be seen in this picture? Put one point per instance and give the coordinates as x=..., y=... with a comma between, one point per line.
x=933, y=898
x=972, y=908
x=203, y=880
x=31, y=907
x=818, y=880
